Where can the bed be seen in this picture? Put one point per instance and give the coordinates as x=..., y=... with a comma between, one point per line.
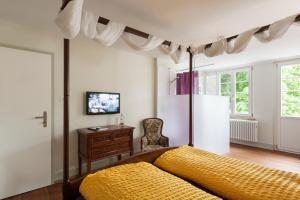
x=193, y=173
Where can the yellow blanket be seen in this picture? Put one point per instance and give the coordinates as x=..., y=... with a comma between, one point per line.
x=138, y=181
x=230, y=178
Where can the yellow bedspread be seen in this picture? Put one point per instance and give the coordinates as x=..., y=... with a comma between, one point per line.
x=138, y=181
x=230, y=178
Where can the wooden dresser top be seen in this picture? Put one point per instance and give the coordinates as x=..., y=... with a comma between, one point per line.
x=105, y=129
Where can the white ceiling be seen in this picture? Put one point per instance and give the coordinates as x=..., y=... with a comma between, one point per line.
x=194, y=21
x=183, y=21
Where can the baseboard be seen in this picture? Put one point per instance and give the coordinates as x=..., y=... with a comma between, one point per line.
x=253, y=144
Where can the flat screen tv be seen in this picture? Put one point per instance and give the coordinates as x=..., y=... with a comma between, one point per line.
x=100, y=103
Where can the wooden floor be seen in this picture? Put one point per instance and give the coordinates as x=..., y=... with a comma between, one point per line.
x=268, y=158
x=273, y=159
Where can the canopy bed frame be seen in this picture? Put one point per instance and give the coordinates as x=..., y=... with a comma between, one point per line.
x=71, y=187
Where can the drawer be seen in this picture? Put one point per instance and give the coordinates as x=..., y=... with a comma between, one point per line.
x=123, y=133
x=109, y=138
x=110, y=149
x=102, y=137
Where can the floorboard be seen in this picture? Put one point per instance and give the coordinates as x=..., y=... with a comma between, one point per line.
x=268, y=158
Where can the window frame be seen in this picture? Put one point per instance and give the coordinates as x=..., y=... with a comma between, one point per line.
x=280, y=65
x=233, y=72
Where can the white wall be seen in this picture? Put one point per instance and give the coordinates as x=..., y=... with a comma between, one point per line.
x=263, y=77
x=93, y=67
x=263, y=103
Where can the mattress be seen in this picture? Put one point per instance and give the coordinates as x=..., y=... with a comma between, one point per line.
x=139, y=181
x=230, y=178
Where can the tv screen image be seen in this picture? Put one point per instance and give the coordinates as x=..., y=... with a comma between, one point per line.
x=102, y=103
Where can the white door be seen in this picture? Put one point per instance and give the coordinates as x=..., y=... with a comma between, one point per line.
x=25, y=144
x=289, y=107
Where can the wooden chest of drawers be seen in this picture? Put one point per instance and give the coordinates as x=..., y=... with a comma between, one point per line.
x=106, y=142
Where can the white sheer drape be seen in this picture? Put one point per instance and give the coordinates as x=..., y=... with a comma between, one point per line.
x=151, y=43
x=240, y=43
x=175, y=51
x=169, y=50
x=74, y=18
x=179, y=54
x=89, y=23
x=69, y=19
x=108, y=36
x=276, y=30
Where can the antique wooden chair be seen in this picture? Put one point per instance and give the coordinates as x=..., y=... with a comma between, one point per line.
x=153, y=138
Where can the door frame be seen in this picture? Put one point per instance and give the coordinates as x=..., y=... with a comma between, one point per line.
x=52, y=95
x=277, y=105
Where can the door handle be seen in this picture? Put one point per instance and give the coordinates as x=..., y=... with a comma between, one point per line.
x=44, y=117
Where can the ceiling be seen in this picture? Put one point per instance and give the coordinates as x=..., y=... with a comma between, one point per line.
x=183, y=21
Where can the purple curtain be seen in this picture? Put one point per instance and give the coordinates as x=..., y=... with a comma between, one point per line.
x=182, y=83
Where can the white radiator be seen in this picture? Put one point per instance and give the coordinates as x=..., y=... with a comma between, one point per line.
x=245, y=130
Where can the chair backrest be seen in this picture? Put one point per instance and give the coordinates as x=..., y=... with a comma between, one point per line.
x=153, y=129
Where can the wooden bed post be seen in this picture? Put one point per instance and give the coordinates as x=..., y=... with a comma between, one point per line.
x=66, y=109
x=190, y=98
x=66, y=105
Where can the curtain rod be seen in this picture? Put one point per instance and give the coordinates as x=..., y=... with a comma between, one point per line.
x=185, y=69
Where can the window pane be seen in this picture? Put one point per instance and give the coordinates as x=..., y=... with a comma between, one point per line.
x=242, y=103
x=290, y=104
x=290, y=71
x=226, y=89
x=211, y=84
x=242, y=92
x=225, y=78
x=242, y=76
x=242, y=87
x=290, y=84
x=290, y=91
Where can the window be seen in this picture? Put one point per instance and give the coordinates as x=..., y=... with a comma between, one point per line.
x=235, y=84
x=242, y=92
x=225, y=84
x=290, y=91
x=211, y=84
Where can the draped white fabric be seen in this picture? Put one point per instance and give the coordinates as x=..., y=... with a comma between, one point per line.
x=216, y=48
x=175, y=51
x=91, y=29
x=179, y=54
x=110, y=34
x=74, y=18
x=169, y=50
x=276, y=30
x=89, y=23
x=241, y=42
x=69, y=19
x=151, y=43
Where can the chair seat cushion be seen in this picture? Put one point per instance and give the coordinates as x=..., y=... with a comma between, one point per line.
x=152, y=147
